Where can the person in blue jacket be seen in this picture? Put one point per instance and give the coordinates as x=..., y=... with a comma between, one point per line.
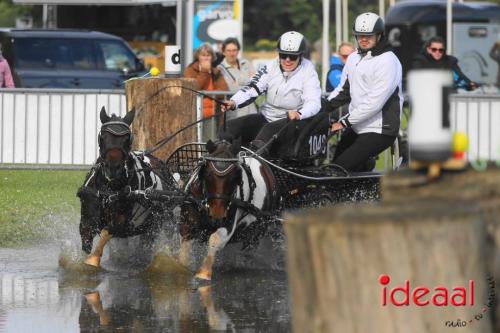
x=337, y=63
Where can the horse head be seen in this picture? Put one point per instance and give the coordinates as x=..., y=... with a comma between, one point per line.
x=115, y=142
x=220, y=176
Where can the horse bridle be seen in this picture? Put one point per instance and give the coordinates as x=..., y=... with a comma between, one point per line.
x=208, y=161
x=235, y=162
x=116, y=128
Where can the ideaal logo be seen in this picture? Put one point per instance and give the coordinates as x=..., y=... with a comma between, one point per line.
x=439, y=296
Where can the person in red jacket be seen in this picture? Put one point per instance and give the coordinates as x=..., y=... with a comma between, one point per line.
x=207, y=76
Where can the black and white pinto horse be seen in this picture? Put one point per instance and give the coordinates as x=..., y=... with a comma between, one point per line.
x=106, y=209
x=232, y=192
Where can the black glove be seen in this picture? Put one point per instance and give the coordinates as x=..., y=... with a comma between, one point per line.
x=325, y=106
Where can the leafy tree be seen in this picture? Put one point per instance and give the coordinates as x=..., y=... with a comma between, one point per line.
x=270, y=18
x=9, y=12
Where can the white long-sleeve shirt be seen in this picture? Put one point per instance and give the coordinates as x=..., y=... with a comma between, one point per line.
x=373, y=83
x=298, y=90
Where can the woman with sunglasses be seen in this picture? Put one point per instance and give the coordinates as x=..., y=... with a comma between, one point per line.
x=434, y=56
x=292, y=90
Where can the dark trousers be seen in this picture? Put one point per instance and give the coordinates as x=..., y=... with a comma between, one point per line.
x=245, y=127
x=354, y=150
x=251, y=127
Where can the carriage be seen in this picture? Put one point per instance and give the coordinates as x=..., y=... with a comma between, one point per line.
x=226, y=192
x=301, y=171
x=237, y=195
x=298, y=186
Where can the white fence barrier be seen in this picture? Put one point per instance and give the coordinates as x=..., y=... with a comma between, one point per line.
x=53, y=126
x=59, y=127
x=479, y=117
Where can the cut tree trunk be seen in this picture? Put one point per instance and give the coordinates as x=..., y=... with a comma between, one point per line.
x=337, y=254
x=162, y=107
x=471, y=186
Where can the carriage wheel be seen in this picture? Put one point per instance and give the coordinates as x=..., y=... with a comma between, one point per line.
x=321, y=199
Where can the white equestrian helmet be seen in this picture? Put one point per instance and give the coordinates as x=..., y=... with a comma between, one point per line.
x=368, y=24
x=291, y=42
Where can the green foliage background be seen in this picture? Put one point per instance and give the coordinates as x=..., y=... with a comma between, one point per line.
x=263, y=19
x=9, y=12
x=270, y=18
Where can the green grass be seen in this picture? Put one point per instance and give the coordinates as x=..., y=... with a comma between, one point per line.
x=36, y=204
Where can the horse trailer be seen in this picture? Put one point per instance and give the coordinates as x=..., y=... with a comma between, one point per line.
x=476, y=28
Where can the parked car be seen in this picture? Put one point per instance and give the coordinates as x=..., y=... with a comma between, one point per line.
x=74, y=59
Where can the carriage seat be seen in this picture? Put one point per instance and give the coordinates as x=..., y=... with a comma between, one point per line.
x=306, y=140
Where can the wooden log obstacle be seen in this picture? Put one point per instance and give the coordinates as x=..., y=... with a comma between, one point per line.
x=344, y=261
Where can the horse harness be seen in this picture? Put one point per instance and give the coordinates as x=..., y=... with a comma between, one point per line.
x=220, y=167
x=116, y=129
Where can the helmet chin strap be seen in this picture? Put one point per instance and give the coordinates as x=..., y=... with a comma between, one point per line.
x=365, y=51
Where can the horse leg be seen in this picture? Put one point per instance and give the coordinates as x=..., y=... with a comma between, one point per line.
x=94, y=259
x=89, y=222
x=216, y=242
x=185, y=251
x=87, y=234
x=94, y=300
x=188, y=230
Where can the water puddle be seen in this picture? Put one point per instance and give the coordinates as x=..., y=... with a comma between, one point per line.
x=36, y=295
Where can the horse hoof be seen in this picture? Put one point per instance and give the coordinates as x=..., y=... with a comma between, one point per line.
x=93, y=297
x=92, y=261
x=204, y=276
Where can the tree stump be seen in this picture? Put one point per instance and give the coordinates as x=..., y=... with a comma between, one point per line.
x=162, y=107
x=336, y=256
x=469, y=185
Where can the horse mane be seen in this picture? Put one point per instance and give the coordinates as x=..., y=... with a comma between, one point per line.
x=223, y=150
x=115, y=117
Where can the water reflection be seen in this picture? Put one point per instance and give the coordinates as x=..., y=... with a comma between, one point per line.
x=255, y=301
x=48, y=300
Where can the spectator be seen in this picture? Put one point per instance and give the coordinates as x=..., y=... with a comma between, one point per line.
x=207, y=77
x=219, y=56
x=495, y=55
x=5, y=73
x=337, y=63
x=237, y=73
x=433, y=55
